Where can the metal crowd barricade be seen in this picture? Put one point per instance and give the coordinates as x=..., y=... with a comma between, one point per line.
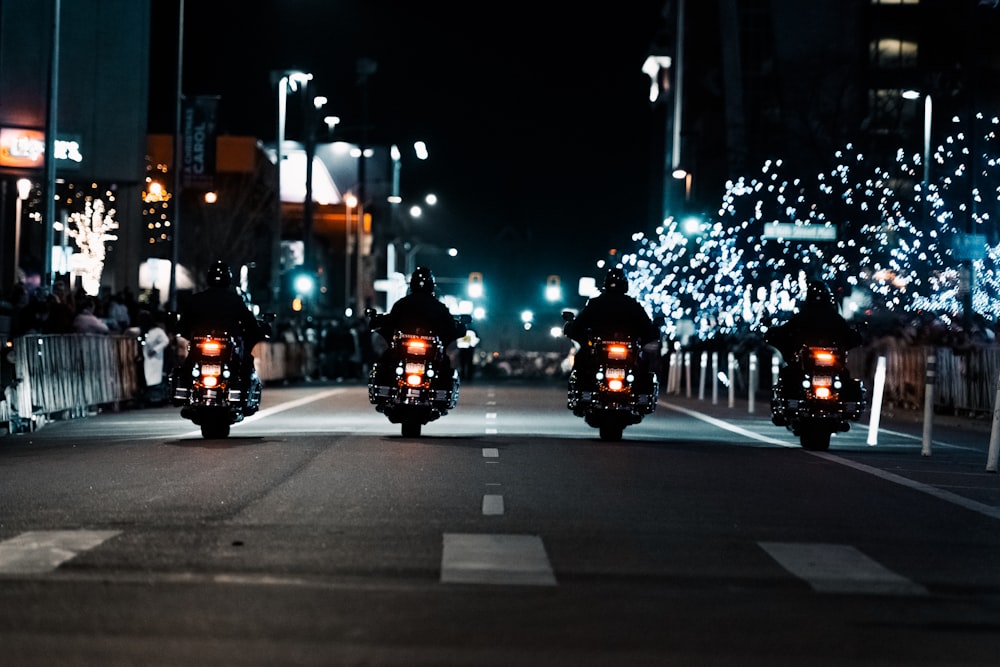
x=72, y=373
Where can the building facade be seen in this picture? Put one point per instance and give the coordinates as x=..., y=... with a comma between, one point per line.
x=94, y=104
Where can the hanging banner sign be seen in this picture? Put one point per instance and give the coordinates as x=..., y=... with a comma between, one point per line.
x=198, y=120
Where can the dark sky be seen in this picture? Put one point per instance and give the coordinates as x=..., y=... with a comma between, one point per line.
x=537, y=123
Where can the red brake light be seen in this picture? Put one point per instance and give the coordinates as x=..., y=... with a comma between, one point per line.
x=617, y=350
x=824, y=357
x=416, y=346
x=210, y=347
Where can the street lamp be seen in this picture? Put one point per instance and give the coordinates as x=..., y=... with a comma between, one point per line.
x=23, y=192
x=287, y=82
x=307, y=203
x=928, y=115
x=350, y=201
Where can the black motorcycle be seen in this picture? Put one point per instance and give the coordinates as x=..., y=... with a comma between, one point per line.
x=212, y=388
x=815, y=396
x=413, y=383
x=611, y=390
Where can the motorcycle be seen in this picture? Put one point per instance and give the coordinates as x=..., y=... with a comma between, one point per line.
x=209, y=388
x=815, y=396
x=613, y=392
x=413, y=383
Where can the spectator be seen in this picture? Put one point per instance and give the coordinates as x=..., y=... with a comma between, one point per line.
x=86, y=321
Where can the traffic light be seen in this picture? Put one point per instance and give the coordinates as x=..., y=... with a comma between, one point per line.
x=553, y=289
x=475, y=285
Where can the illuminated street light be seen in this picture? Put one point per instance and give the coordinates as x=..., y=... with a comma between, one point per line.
x=287, y=82
x=23, y=192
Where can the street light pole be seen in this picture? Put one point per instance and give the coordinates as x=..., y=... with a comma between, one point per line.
x=175, y=239
x=349, y=202
x=287, y=82
x=23, y=192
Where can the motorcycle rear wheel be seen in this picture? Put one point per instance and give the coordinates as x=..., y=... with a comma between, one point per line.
x=411, y=429
x=214, y=430
x=612, y=432
x=814, y=438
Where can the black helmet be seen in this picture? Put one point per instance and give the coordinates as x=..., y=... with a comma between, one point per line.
x=818, y=294
x=219, y=275
x=616, y=281
x=422, y=280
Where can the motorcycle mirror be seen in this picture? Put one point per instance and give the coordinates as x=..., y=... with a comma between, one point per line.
x=568, y=315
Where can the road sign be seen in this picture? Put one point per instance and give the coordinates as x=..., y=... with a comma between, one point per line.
x=791, y=231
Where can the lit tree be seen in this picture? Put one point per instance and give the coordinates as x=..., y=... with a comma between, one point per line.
x=891, y=251
x=90, y=230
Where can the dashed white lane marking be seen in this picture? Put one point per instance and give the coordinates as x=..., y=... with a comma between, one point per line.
x=491, y=415
x=491, y=452
x=491, y=431
x=40, y=551
x=495, y=559
x=839, y=568
x=492, y=505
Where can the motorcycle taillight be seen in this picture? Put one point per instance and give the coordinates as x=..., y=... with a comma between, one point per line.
x=824, y=357
x=416, y=346
x=617, y=350
x=210, y=347
x=822, y=387
x=615, y=379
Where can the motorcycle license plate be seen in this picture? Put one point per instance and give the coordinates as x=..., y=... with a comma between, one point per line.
x=822, y=381
x=414, y=367
x=615, y=373
x=211, y=369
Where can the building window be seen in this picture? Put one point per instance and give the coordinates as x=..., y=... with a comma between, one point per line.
x=890, y=53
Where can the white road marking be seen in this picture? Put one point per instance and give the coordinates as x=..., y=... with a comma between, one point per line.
x=492, y=505
x=491, y=431
x=281, y=407
x=491, y=452
x=41, y=551
x=495, y=559
x=839, y=568
x=491, y=415
x=727, y=426
x=941, y=494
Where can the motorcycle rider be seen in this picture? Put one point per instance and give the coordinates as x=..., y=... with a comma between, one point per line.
x=816, y=321
x=220, y=306
x=611, y=313
x=420, y=312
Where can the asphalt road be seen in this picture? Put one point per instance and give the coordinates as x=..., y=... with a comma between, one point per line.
x=507, y=534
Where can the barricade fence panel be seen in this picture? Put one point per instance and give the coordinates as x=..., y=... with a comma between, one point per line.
x=56, y=373
x=965, y=381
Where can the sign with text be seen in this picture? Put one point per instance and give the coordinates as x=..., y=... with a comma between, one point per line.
x=25, y=149
x=804, y=232
x=198, y=125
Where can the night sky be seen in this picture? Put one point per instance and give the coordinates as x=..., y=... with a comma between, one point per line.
x=539, y=129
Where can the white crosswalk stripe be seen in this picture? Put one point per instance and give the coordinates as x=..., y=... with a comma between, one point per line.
x=495, y=559
x=40, y=551
x=839, y=568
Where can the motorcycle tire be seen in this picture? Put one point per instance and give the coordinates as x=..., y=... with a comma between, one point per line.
x=214, y=430
x=411, y=429
x=612, y=433
x=814, y=438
